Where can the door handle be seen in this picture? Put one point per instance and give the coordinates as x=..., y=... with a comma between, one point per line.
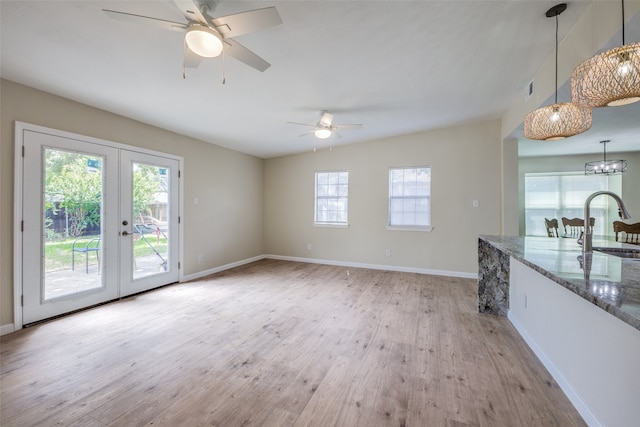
x=125, y=233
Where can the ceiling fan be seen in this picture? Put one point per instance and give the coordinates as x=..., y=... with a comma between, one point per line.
x=207, y=37
x=325, y=128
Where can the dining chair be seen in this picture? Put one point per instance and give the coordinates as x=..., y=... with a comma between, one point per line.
x=551, y=226
x=575, y=226
x=629, y=233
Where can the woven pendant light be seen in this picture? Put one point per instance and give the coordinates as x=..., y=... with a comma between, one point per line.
x=610, y=78
x=557, y=121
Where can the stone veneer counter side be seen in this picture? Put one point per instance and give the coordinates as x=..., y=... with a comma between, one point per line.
x=611, y=283
x=493, y=279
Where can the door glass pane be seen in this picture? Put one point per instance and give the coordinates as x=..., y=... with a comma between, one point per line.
x=150, y=214
x=72, y=222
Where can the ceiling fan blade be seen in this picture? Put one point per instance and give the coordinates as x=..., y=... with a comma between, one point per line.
x=247, y=22
x=244, y=55
x=131, y=17
x=302, y=124
x=353, y=126
x=326, y=119
x=191, y=11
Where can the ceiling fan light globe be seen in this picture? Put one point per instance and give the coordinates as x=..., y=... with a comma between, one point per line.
x=203, y=41
x=322, y=133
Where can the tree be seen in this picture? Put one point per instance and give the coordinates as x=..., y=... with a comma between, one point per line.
x=74, y=182
x=146, y=184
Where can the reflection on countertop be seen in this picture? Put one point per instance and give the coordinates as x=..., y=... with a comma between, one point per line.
x=610, y=282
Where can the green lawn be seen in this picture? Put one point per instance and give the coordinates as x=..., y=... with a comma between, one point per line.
x=58, y=253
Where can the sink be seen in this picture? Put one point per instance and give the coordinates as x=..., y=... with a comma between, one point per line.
x=620, y=252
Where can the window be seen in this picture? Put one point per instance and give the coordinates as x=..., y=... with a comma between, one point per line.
x=410, y=197
x=332, y=198
x=557, y=195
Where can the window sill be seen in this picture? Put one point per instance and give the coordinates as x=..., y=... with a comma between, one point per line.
x=328, y=225
x=427, y=228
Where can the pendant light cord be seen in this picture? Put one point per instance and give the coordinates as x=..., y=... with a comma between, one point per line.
x=622, y=22
x=556, y=98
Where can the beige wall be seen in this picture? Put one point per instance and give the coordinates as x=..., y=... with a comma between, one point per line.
x=630, y=179
x=226, y=225
x=466, y=165
x=510, y=217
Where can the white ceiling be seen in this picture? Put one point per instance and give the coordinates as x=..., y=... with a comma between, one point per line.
x=397, y=67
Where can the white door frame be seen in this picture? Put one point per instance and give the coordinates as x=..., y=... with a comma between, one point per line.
x=20, y=128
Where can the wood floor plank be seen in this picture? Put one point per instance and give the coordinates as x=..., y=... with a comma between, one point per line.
x=278, y=343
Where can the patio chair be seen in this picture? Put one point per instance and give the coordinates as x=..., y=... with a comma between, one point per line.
x=85, y=246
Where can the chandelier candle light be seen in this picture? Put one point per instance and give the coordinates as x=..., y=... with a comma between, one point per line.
x=605, y=167
x=610, y=78
x=557, y=121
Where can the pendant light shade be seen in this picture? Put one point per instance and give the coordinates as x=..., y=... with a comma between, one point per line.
x=557, y=121
x=610, y=78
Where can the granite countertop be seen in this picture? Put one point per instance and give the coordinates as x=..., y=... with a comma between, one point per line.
x=612, y=283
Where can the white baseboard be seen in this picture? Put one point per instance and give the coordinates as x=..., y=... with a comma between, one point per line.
x=566, y=387
x=204, y=273
x=376, y=266
x=214, y=270
x=7, y=329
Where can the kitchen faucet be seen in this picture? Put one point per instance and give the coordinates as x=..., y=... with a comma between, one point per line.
x=587, y=246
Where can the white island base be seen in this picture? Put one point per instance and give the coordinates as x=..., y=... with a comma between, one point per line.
x=594, y=356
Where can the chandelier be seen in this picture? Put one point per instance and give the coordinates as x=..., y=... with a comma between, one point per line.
x=610, y=78
x=557, y=121
x=605, y=167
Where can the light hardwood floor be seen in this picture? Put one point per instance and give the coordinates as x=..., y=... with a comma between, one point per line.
x=277, y=343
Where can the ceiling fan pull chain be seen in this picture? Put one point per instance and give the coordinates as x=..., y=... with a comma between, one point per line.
x=184, y=59
x=223, y=78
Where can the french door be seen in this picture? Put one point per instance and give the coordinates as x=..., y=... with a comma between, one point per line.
x=99, y=221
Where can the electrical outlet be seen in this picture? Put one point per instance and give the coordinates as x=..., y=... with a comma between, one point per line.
x=387, y=252
x=308, y=246
x=199, y=258
x=524, y=301
x=476, y=203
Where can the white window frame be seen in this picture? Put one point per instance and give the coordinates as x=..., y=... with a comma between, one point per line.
x=414, y=226
x=336, y=193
